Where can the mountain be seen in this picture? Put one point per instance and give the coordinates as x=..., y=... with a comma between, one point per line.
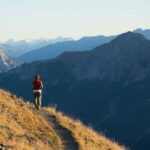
x=107, y=87
x=145, y=32
x=53, y=50
x=125, y=58
x=6, y=62
x=23, y=127
x=17, y=48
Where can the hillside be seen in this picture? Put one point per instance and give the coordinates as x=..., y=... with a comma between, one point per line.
x=112, y=81
x=53, y=50
x=24, y=128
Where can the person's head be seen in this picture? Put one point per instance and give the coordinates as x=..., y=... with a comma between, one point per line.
x=37, y=77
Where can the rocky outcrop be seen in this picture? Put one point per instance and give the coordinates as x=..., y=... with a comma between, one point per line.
x=6, y=62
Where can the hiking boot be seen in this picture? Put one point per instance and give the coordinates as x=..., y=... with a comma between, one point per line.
x=38, y=108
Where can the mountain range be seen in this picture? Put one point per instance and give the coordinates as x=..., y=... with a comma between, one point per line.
x=17, y=48
x=39, y=49
x=107, y=87
x=53, y=50
x=83, y=44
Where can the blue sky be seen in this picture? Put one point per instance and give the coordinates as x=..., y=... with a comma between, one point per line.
x=29, y=19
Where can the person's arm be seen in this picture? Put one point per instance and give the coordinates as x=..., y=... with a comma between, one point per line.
x=41, y=85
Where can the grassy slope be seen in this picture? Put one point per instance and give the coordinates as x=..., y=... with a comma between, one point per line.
x=22, y=128
x=86, y=137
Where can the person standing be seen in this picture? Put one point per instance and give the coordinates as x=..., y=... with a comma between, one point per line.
x=37, y=91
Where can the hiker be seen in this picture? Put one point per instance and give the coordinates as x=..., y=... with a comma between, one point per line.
x=37, y=91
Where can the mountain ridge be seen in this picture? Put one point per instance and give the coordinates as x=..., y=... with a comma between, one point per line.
x=93, y=40
x=126, y=48
x=52, y=51
x=20, y=48
x=17, y=48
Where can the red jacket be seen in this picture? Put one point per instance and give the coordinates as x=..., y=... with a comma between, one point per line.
x=37, y=85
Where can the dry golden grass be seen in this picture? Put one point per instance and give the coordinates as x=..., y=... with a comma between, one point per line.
x=22, y=129
x=85, y=136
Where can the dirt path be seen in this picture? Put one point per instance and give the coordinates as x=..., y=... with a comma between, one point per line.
x=65, y=135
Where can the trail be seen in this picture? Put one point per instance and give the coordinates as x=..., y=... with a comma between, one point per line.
x=65, y=135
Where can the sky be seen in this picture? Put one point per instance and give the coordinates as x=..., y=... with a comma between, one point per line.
x=32, y=19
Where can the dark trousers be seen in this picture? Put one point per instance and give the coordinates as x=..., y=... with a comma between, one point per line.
x=37, y=99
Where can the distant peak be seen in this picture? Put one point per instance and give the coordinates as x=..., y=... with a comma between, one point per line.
x=130, y=36
x=138, y=30
x=129, y=33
